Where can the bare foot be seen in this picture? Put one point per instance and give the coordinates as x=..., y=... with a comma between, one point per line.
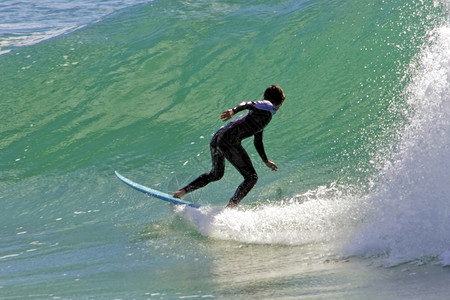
x=231, y=205
x=179, y=194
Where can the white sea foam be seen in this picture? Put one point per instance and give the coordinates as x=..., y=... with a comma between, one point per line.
x=411, y=212
x=321, y=216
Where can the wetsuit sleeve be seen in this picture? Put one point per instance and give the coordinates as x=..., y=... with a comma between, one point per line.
x=258, y=142
x=243, y=106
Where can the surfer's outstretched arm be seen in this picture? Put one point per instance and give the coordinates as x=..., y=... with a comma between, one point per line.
x=226, y=115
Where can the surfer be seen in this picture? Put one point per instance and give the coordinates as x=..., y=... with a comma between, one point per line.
x=226, y=143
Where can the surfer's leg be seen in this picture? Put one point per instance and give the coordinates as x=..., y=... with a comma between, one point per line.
x=239, y=158
x=216, y=173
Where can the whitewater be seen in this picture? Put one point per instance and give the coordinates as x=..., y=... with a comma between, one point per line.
x=409, y=206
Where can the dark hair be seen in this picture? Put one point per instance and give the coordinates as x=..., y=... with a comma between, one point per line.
x=274, y=94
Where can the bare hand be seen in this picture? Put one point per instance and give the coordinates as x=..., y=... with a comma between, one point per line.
x=271, y=165
x=226, y=115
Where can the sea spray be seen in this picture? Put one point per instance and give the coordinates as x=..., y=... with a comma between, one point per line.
x=323, y=215
x=411, y=215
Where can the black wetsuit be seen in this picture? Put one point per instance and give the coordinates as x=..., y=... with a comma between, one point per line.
x=226, y=143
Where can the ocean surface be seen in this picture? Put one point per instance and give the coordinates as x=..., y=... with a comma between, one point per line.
x=360, y=205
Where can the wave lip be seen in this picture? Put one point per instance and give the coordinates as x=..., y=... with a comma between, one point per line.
x=28, y=39
x=27, y=23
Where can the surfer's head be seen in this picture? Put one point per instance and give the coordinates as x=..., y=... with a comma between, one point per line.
x=274, y=94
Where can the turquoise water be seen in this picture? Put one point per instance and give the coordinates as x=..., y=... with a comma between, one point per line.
x=359, y=203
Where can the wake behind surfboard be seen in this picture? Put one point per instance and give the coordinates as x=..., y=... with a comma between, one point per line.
x=155, y=193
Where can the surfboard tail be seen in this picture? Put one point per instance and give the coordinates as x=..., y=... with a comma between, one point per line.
x=154, y=193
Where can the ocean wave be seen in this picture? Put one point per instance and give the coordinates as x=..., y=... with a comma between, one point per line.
x=26, y=23
x=404, y=217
